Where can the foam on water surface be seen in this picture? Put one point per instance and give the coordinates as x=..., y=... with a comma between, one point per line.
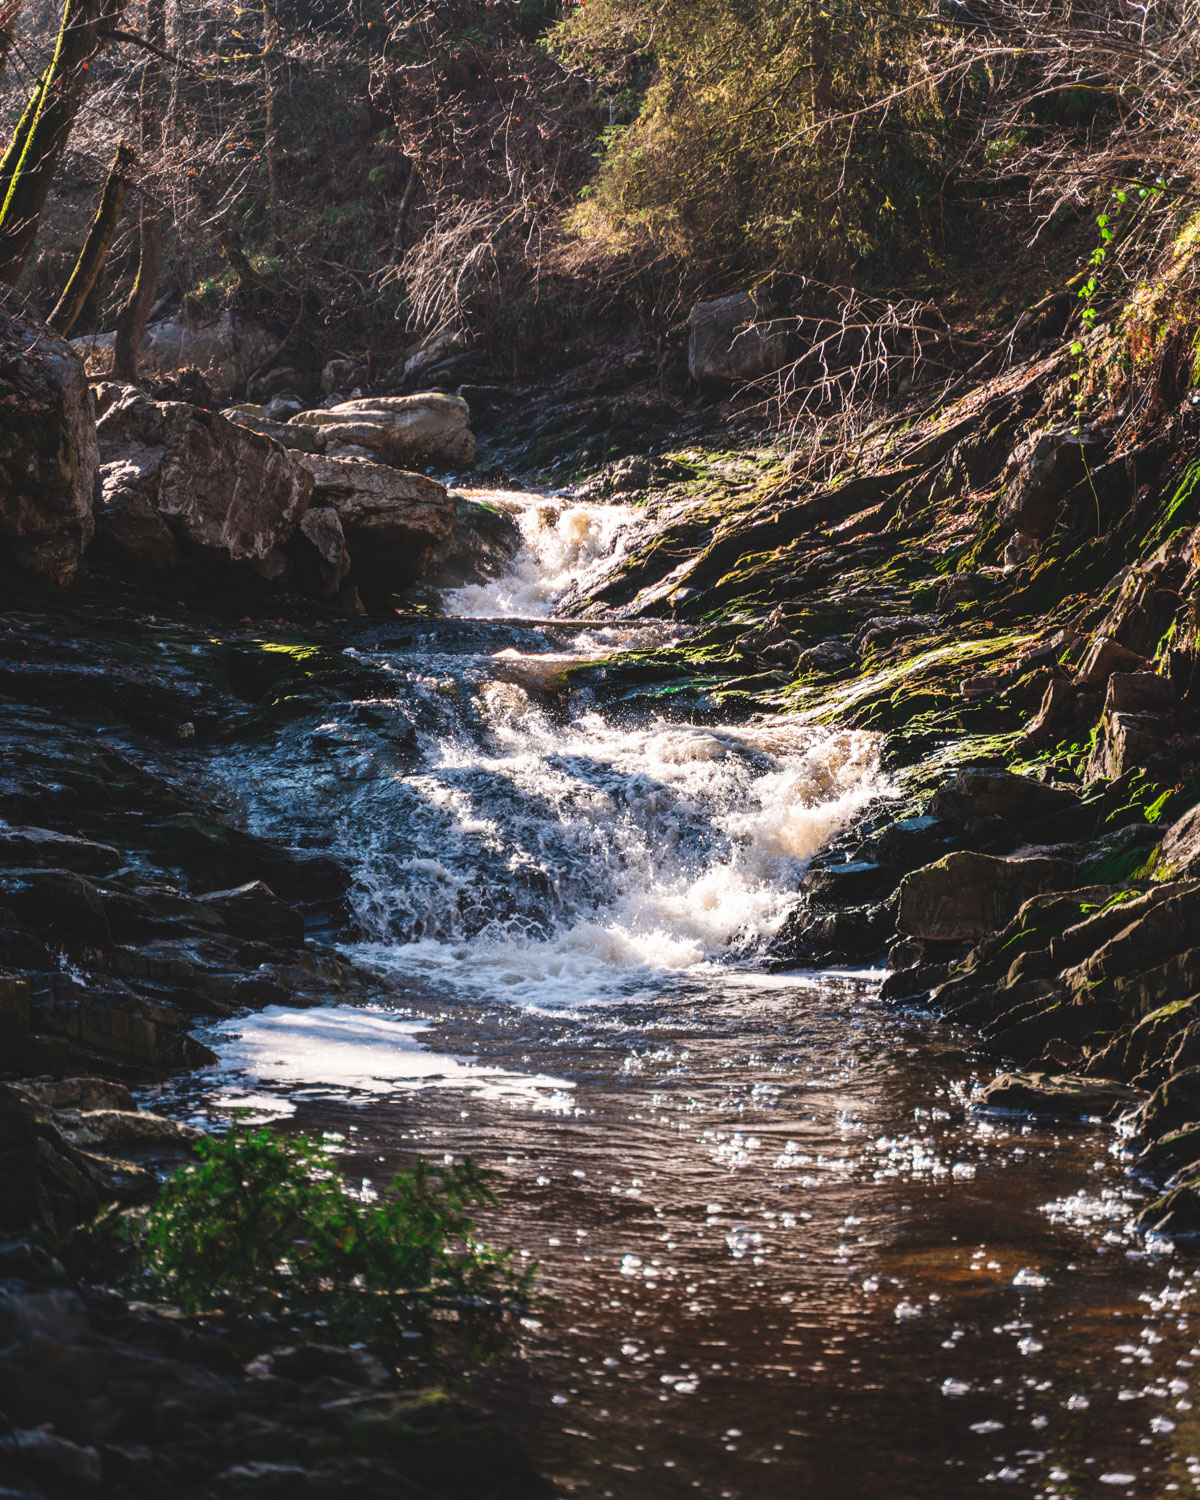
x=355, y=1054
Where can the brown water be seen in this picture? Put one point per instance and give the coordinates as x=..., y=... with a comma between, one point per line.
x=781, y=1253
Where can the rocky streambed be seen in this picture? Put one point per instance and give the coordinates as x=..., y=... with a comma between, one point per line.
x=594, y=866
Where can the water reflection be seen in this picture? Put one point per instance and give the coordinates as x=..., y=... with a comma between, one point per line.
x=780, y=1253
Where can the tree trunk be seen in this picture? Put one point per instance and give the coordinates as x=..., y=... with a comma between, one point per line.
x=28, y=167
x=10, y=14
x=270, y=37
x=131, y=320
x=96, y=246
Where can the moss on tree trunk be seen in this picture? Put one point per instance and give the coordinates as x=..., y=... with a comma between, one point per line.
x=95, y=248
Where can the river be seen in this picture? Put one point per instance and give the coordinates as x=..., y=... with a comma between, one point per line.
x=781, y=1253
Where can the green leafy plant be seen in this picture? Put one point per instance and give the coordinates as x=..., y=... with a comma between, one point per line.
x=264, y=1222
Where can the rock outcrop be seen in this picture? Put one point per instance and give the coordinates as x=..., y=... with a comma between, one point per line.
x=426, y=427
x=180, y=483
x=48, y=453
x=966, y=896
x=391, y=519
x=226, y=351
x=734, y=339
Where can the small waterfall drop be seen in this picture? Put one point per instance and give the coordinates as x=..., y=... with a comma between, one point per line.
x=552, y=858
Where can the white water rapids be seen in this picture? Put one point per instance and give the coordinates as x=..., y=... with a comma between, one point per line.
x=559, y=855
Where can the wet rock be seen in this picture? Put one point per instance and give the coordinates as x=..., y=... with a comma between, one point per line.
x=484, y=541
x=1174, y=1216
x=965, y=896
x=984, y=802
x=282, y=429
x=1173, y=1106
x=48, y=454
x=392, y=520
x=1139, y=951
x=254, y=911
x=176, y=481
x=58, y=905
x=1058, y=1095
x=45, y=1455
x=1160, y=1044
x=139, y=1029
x=1171, y=1153
x=733, y=339
x=43, y=846
x=844, y=882
x=912, y=985
x=399, y=430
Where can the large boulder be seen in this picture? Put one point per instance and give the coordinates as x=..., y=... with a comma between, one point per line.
x=966, y=896
x=179, y=482
x=484, y=541
x=392, y=520
x=48, y=453
x=984, y=802
x=732, y=339
x=426, y=427
x=226, y=351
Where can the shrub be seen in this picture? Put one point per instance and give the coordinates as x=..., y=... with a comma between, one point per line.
x=263, y=1222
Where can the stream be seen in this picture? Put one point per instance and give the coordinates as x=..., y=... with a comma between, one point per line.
x=781, y=1253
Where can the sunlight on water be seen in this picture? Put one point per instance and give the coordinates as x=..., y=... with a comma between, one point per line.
x=567, y=544
x=622, y=850
x=350, y=1052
